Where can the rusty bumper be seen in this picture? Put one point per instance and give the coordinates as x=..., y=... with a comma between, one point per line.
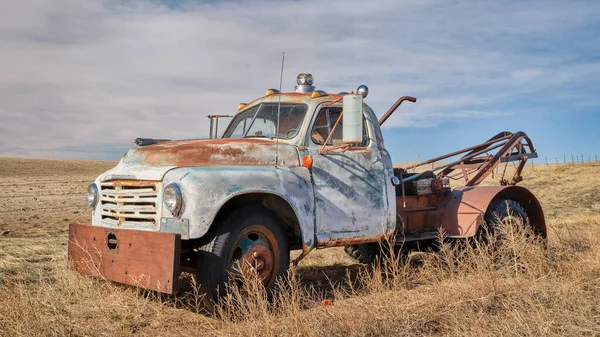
x=140, y=258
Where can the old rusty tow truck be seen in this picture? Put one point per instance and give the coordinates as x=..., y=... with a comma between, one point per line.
x=292, y=171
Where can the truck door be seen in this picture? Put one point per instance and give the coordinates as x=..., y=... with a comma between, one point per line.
x=351, y=200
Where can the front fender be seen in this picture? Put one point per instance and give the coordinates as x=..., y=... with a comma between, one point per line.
x=206, y=189
x=464, y=209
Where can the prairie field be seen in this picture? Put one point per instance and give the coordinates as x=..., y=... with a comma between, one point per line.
x=519, y=289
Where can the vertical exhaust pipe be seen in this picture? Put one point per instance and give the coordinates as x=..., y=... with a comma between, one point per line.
x=395, y=106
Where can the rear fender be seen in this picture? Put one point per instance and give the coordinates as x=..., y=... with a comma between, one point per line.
x=463, y=211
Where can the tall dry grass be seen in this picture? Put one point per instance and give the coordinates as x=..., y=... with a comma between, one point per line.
x=518, y=287
x=515, y=288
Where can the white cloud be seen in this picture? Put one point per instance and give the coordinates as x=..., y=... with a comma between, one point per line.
x=97, y=74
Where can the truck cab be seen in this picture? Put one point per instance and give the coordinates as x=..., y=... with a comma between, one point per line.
x=292, y=171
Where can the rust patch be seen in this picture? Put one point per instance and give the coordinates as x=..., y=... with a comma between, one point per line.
x=294, y=97
x=418, y=202
x=213, y=152
x=305, y=250
x=144, y=259
x=461, y=212
x=354, y=241
x=256, y=251
x=132, y=183
x=464, y=209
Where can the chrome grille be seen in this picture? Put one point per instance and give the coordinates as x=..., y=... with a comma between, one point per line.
x=129, y=203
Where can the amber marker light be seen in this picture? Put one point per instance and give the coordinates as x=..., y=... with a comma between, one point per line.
x=271, y=92
x=318, y=93
x=307, y=161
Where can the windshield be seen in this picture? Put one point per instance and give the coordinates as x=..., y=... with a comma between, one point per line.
x=261, y=121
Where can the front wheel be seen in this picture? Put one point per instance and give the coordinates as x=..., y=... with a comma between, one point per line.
x=251, y=239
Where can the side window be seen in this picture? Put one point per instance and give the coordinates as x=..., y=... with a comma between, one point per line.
x=324, y=123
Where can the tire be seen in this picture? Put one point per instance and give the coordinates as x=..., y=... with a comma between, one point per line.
x=503, y=211
x=364, y=253
x=377, y=252
x=250, y=236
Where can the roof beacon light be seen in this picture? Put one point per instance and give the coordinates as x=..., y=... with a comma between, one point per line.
x=304, y=82
x=301, y=79
x=309, y=79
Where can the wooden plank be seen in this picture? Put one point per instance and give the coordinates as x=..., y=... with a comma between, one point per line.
x=140, y=258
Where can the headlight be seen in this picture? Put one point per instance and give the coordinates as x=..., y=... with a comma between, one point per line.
x=92, y=195
x=172, y=199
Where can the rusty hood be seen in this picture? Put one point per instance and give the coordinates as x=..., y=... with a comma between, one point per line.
x=153, y=161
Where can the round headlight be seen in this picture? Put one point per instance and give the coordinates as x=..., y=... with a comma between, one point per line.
x=172, y=199
x=92, y=195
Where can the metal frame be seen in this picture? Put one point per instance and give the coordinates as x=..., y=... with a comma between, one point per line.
x=480, y=160
x=215, y=118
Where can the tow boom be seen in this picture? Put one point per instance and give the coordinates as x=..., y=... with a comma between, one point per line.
x=478, y=161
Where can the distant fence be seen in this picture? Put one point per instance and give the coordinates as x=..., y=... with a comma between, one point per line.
x=571, y=159
x=567, y=159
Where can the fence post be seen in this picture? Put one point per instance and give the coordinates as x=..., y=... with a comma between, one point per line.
x=572, y=160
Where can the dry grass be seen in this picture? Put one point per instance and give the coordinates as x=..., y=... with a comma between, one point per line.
x=519, y=289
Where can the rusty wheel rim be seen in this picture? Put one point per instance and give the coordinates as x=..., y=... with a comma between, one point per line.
x=255, y=253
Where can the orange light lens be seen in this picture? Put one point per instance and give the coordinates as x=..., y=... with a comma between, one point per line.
x=307, y=161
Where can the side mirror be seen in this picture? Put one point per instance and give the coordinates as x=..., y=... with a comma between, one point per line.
x=353, y=119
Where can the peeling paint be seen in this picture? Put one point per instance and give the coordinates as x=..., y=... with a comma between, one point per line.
x=212, y=152
x=353, y=192
x=207, y=189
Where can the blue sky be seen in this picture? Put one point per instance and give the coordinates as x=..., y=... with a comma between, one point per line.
x=82, y=79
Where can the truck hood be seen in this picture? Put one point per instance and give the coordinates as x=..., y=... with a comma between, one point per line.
x=153, y=161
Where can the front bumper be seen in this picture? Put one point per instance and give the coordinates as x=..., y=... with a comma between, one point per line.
x=143, y=259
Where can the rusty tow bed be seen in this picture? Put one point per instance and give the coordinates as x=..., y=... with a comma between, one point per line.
x=140, y=258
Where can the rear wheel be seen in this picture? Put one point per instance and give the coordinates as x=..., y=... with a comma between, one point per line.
x=508, y=214
x=381, y=252
x=250, y=240
x=365, y=253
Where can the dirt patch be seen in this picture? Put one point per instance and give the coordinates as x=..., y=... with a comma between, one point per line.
x=44, y=195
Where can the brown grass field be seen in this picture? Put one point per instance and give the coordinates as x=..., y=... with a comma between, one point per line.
x=519, y=290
